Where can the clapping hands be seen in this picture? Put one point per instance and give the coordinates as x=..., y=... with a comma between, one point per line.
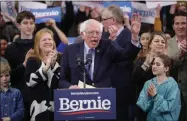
x=50, y=60
x=152, y=90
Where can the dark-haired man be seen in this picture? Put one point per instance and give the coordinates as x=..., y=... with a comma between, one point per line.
x=177, y=50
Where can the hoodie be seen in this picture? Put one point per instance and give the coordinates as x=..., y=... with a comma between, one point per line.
x=166, y=105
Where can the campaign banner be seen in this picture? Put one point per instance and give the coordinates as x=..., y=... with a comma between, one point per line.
x=85, y=104
x=31, y=5
x=154, y=4
x=43, y=15
x=9, y=8
x=126, y=6
x=148, y=15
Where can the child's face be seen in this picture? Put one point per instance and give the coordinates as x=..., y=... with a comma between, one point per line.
x=5, y=78
x=158, y=67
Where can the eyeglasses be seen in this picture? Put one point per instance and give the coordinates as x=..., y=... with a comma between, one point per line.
x=91, y=33
x=104, y=19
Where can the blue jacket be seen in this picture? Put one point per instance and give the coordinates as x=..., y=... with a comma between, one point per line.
x=12, y=104
x=166, y=105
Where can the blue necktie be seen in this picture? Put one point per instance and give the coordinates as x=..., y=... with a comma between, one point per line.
x=89, y=60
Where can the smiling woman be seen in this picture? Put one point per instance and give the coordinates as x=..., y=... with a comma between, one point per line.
x=42, y=76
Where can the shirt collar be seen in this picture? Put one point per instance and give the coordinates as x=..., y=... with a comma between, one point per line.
x=9, y=89
x=86, y=48
x=120, y=30
x=154, y=80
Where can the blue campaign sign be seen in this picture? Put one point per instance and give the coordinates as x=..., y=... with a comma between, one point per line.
x=85, y=104
x=62, y=46
x=126, y=6
x=43, y=15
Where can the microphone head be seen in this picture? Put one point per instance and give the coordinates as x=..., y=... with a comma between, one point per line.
x=78, y=60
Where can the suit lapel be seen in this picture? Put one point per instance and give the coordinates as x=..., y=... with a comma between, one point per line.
x=82, y=51
x=173, y=49
x=96, y=61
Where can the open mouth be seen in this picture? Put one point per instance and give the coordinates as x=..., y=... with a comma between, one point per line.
x=94, y=42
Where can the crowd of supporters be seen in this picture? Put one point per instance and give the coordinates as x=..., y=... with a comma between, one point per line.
x=151, y=84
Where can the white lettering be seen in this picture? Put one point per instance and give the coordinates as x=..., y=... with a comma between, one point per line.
x=106, y=104
x=126, y=9
x=43, y=14
x=78, y=105
x=74, y=103
x=64, y=101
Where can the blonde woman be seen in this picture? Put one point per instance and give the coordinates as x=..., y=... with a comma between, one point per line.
x=42, y=76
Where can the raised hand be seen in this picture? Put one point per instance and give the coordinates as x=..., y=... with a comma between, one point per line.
x=74, y=87
x=53, y=55
x=113, y=32
x=126, y=23
x=183, y=46
x=51, y=22
x=50, y=60
x=135, y=26
x=158, y=9
x=28, y=55
x=7, y=16
x=152, y=90
x=6, y=119
x=149, y=58
x=47, y=65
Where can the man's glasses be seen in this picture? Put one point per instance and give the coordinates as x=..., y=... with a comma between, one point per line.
x=91, y=33
x=104, y=19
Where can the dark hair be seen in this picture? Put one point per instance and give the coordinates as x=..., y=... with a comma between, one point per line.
x=171, y=33
x=3, y=38
x=24, y=14
x=179, y=13
x=144, y=54
x=166, y=61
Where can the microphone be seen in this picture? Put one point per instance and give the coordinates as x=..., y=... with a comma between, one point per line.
x=78, y=60
x=88, y=59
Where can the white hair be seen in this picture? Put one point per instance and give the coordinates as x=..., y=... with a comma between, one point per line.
x=85, y=23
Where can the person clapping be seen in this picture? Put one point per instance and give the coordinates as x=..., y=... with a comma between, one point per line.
x=42, y=76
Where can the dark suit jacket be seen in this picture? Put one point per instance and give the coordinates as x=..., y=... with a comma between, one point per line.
x=106, y=53
x=122, y=70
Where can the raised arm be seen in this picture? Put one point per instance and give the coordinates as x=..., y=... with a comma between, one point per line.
x=60, y=34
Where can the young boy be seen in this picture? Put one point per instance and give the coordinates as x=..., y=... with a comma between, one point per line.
x=11, y=106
